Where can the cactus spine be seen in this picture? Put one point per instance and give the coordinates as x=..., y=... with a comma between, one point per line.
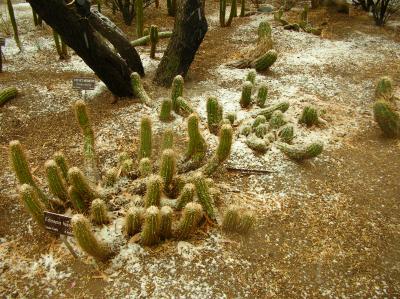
x=309, y=116
x=139, y=17
x=81, y=184
x=99, y=212
x=186, y=196
x=62, y=164
x=191, y=216
x=76, y=199
x=83, y=234
x=176, y=92
x=57, y=184
x=262, y=95
x=265, y=61
x=32, y=203
x=7, y=94
x=387, y=119
x=133, y=221
x=165, y=112
x=145, y=167
x=214, y=114
x=153, y=40
x=167, y=139
x=151, y=227
x=197, y=146
x=166, y=222
x=145, y=147
x=231, y=219
x=301, y=152
x=203, y=194
x=384, y=89
x=138, y=89
x=245, y=99
x=168, y=166
x=14, y=24
x=153, y=191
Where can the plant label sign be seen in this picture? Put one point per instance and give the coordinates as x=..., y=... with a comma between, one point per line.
x=58, y=223
x=2, y=41
x=83, y=83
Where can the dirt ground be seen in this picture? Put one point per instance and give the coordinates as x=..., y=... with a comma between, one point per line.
x=326, y=228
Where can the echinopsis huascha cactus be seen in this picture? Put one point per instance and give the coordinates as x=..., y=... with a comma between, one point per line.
x=191, y=216
x=146, y=138
x=82, y=185
x=99, y=212
x=204, y=195
x=309, y=116
x=166, y=222
x=153, y=191
x=62, y=164
x=176, y=92
x=387, y=118
x=151, y=227
x=76, y=199
x=186, y=196
x=265, y=61
x=168, y=166
x=32, y=203
x=133, y=221
x=145, y=167
x=214, y=115
x=165, y=111
x=251, y=77
x=277, y=120
x=57, y=185
x=7, y=94
x=267, y=112
x=167, y=139
x=231, y=116
x=384, y=89
x=262, y=96
x=246, y=222
x=231, y=219
x=138, y=90
x=153, y=40
x=245, y=99
x=286, y=133
x=301, y=152
x=110, y=177
x=197, y=146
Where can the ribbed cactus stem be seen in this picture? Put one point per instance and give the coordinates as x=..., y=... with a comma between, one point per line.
x=145, y=167
x=153, y=191
x=86, y=239
x=231, y=219
x=246, y=223
x=384, y=89
x=184, y=108
x=191, y=216
x=262, y=95
x=257, y=144
x=264, y=31
x=167, y=139
x=203, y=194
x=231, y=116
x=387, y=118
x=197, y=146
x=99, y=212
x=245, y=130
x=214, y=114
x=153, y=40
x=261, y=130
x=20, y=166
x=165, y=111
x=277, y=120
x=166, y=222
x=7, y=94
x=139, y=17
x=251, y=77
x=82, y=185
x=151, y=227
x=267, y=112
x=286, y=133
x=126, y=165
x=260, y=119
x=133, y=221
x=265, y=61
x=56, y=182
x=14, y=24
x=76, y=199
x=168, y=166
x=138, y=89
x=145, y=147
x=301, y=152
x=62, y=164
x=32, y=203
x=186, y=196
x=245, y=99
x=222, y=11
x=176, y=92
x=309, y=116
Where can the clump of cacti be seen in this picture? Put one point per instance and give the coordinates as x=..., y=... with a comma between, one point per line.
x=99, y=212
x=387, y=118
x=204, y=195
x=214, y=114
x=267, y=112
x=384, y=89
x=257, y=144
x=151, y=227
x=7, y=94
x=261, y=130
x=153, y=40
x=245, y=99
x=301, y=152
x=62, y=164
x=146, y=137
x=165, y=111
x=32, y=203
x=262, y=95
x=133, y=221
x=76, y=199
x=286, y=133
x=138, y=89
x=153, y=191
x=309, y=116
x=186, y=196
x=168, y=166
x=82, y=185
x=191, y=216
x=260, y=119
x=166, y=222
x=231, y=219
x=277, y=120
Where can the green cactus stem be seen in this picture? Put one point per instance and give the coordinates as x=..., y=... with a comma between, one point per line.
x=231, y=116
x=384, y=89
x=277, y=120
x=286, y=133
x=111, y=176
x=214, y=115
x=14, y=24
x=145, y=167
x=7, y=94
x=264, y=32
x=32, y=203
x=251, y=77
x=153, y=40
x=184, y=108
x=55, y=180
x=242, y=8
x=233, y=12
x=301, y=152
x=153, y=191
x=166, y=222
x=168, y=166
x=125, y=163
x=265, y=61
x=261, y=130
x=245, y=99
x=133, y=221
x=138, y=89
x=257, y=144
x=62, y=164
x=186, y=196
x=203, y=194
x=267, y=112
x=197, y=146
x=222, y=11
x=99, y=212
x=246, y=222
x=260, y=119
x=76, y=199
x=231, y=219
x=191, y=216
x=20, y=166
x=262, y=96
x=309, y=116
x=144, y=40
x=167, y=139
x=245, y=130
x=145, y=147
x=151, y=227
x=165, y=112
x=86, y=239
x=82, y=185
x=387, y=119
x=139, y=17
x=176, y=92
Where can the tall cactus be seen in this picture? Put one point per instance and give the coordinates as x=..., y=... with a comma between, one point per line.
x=145, y=147
x=165, y=111
x=153, y=40
x=168, y=166
x=151, y=227
x=309, y=116
x=139, y=17
x=32, y=203
x=245, y=99
x=387, y=118
x=186, y=196
x=265, y=61
x=138, y=89
x=76, y=199
x=262, y=96
x=133, y=221
x=191, y=216
x=214, y=114
x=184, y=108
x=83, y=234
x=176, y=92
x=251, y=77
x=197, y=146
x=56, y=182
x=62, y=164
x=166, y=222
x=167, y=139
x=7, y=94
x=203, y=194
x=14, y=24
x=99, y=212
x=82, y=185
x=153, y=191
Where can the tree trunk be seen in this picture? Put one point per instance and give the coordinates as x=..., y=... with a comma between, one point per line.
x=80, y=36
x=189, y=30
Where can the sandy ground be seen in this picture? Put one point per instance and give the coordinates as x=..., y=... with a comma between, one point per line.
x=326, y=228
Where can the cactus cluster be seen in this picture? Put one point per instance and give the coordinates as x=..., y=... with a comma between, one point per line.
x=309, y=116
x=237, y=220
x=384, y=89
x=179, y=104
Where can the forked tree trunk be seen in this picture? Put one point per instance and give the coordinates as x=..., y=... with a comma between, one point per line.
x=85, y=40
x=189, y=30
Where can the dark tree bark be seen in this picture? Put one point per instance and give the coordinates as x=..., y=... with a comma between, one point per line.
x=85, y=40
x=189, y=30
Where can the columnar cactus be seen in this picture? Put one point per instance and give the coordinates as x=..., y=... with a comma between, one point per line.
x=32, y=203
x=133, y=221
x=151, y=227
x=197, y=146
x=145, y=167
x=309, y=116
x=262, y=96
x=251, y=77
x=62, y=164
x=214, y=114
x=267, y=112
x=231, y=219
x=165, y=112
x=264, y=32
x=286, y=133
x=145, y=146
x=56, y=182
x=246, y=222
x=7, y=94
x=203, y=194
x=83, y=234
x=260, y=119
x=301, y=152
x=138, y=89
x=82, y=185
x=277, y=120
x=167, y=139
x=384, y=89
x=76, y=199
x=139, y=17
x=245, y=99
x=168, y=166
x=185, y=196
x=153, y=40
x=265, y=61
x=99, y=212
x=176, y=92
x=166, y=222
x=21, y=168
x=14, y=24
x=153, y=191
x=191, y=216
x=387, y=119
x=184, y=108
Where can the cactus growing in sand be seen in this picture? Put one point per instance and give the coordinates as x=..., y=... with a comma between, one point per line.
x=286, y=133
x=56, y=182
x=301, y=152
x=185, y=196
x=267, y=112
x=167, y=139
x=191, y=216
x=203, y=194
x=99, y=212
x=76, y=199
x=82, y=185
x=151, y=228
x=62, y=164
x=277, y=120
x=214, y=114
x=176, y=92
x=245, y=99
x=153, y=40
x=246, y=222
x=86, y=239
x=133, y=221
x=231, y=219
x=260, y=119
x=111, y=176
x=309, y=116
x=7, y=94
x=165, y=111
x=168, y=166
x=245, y=130
x=166, y=222
x=384, y=89
x=197, y=146
x=262, y=96
x=251, y=77
x=261, y=130
x=265, y=61
x=139, y=17
x=32, y=203
x=145, y=146
x=387, y=118
x=231, y=116
x=138, y=89
x=184, y=108
x=14, y=24
x=257, y=144
x=153, y=191
x=145, y=167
